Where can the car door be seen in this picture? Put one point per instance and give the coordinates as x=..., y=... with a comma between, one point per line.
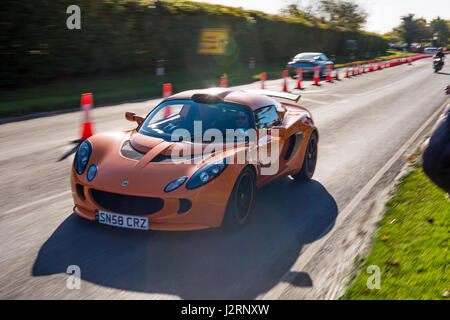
x=269, y=147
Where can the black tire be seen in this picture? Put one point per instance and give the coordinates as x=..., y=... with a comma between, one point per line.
x=240, y=203
x=309, y=160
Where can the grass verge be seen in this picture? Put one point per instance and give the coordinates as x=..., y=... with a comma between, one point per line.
x=411, y=246
x=390, y=54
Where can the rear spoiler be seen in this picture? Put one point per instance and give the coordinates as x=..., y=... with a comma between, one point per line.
x=276, y=94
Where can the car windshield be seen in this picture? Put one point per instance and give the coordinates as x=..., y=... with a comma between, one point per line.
x=307, y=56
x=196, y=118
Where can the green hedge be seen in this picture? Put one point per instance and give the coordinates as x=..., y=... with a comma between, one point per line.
x=124, y=36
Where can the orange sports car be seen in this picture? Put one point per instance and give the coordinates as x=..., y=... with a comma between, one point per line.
x=195, y=161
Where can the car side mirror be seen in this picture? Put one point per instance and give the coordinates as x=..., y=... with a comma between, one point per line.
x=131, y=116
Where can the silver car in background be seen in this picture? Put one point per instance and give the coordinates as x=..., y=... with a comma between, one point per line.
x=307, y=61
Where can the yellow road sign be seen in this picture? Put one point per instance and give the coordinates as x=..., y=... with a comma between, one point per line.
x=213, y=41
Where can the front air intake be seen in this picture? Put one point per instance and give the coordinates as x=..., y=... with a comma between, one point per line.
x=126, y=204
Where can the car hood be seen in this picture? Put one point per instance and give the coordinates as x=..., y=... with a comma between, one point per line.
x=146, y=144
x=152, y=170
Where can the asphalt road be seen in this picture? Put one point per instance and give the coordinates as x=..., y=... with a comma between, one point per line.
x=362, y=121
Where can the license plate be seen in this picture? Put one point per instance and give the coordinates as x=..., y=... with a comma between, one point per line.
x=122, y=220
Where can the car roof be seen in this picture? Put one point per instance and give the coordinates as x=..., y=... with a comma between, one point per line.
x=252, y=100
x=316, y=53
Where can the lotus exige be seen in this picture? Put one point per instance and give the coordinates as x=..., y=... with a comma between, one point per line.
x=170, y=174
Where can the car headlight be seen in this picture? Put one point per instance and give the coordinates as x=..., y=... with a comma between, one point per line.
x=206, y=174
x=82, y=156
x=92, y=171
x=175, y=184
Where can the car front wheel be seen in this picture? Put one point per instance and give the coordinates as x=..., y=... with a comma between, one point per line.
x=309, y=161
x=240, y=203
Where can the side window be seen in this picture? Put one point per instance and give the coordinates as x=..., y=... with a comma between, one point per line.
x=323, y=57
x=266, y=117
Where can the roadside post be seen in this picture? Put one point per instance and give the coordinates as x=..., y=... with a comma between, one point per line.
x=251, y=63
x=160, y=72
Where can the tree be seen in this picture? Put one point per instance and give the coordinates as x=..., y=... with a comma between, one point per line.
x=342, y=13
x=414, y=30
x=394, y=36
x=294, y=11
x=441, y=30
x=336, y=13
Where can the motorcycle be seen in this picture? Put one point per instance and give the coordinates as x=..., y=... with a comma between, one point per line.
x=438, y=63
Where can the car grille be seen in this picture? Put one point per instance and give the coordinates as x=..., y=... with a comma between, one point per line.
x=120, y=203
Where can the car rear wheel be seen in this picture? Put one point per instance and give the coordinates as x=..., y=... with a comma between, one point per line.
x=240, y=203
x=309, y=161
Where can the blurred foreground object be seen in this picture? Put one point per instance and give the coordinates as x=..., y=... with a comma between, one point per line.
x=436, y=152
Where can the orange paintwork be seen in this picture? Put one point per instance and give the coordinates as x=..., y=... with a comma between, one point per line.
x=148, y=179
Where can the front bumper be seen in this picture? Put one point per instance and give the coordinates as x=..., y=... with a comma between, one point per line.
x=292, y=70
x=206, y=210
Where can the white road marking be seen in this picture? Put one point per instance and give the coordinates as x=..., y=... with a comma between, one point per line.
x=38, y=201
x=304, y=258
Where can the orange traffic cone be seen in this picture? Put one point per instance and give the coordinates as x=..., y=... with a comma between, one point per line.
x=224, y=81
x=167, y=90
x=336, y=74
x=263, y=77
x=316, y=75
x=347, y=74
x=285, y=75
x=86, y=105
x=299, y=78
x=329, y=78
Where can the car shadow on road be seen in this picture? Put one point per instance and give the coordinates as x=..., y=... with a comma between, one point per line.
x=208, y=264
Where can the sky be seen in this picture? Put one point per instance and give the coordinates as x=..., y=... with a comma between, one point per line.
x=383, y=14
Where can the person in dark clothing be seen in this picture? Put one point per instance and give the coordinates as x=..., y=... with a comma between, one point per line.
x=440, y=54
x=436, y=152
